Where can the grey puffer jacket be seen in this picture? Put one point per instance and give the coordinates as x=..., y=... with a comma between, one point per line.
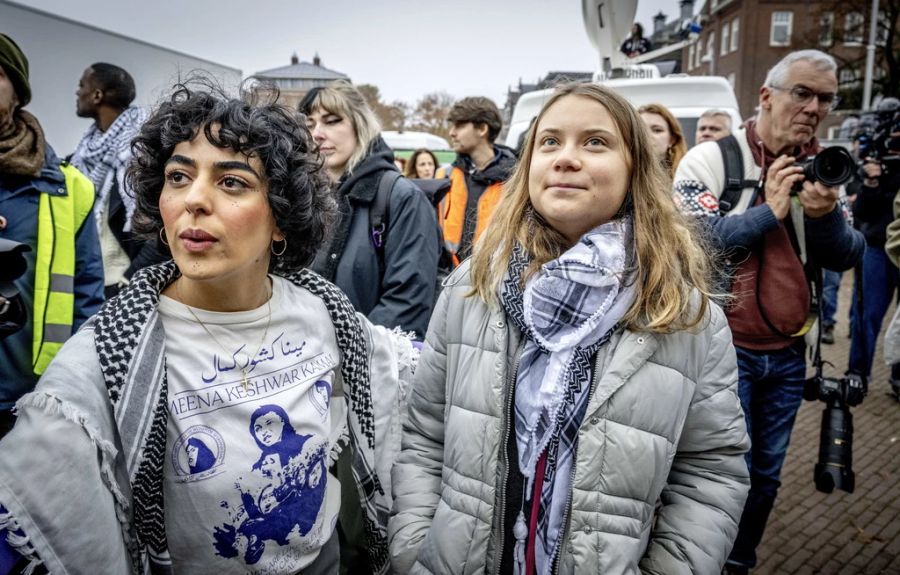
x=660, y=478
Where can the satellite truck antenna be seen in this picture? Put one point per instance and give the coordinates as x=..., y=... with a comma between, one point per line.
x=607, y=23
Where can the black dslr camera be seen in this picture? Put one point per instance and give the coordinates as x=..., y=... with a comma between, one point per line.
x=835, y=466
x=876, y=133
x=833, y=166
x=12, y=265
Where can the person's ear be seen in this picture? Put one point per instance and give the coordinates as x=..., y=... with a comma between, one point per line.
x=482, y=130
x=277, y=236
x=765, y=98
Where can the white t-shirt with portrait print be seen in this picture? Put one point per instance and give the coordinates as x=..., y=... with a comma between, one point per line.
x=246, y=482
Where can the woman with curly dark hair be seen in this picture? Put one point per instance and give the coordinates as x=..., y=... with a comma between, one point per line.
x=233, y=331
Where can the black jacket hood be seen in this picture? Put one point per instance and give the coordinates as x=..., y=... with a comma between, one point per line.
x=498, y=170
x=362, y=183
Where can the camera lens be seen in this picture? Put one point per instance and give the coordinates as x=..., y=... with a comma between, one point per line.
x=833, y=166
x=834, y=468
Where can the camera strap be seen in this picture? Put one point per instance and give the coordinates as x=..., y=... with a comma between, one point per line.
x=817, y=349
x=813, y=279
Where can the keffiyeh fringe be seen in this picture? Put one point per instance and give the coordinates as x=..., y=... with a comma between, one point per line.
x=54, y=406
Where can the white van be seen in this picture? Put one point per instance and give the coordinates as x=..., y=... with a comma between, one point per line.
x=408, y=140
x=685, y=96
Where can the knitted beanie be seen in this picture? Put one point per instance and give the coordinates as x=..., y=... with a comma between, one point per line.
x=15, y=65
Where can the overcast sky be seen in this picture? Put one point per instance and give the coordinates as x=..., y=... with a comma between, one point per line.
x=405, y=47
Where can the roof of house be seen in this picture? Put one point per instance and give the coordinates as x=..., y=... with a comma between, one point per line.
x=301, y=70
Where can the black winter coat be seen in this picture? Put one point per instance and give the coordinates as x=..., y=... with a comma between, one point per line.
x=404, y=295
x=873, y=208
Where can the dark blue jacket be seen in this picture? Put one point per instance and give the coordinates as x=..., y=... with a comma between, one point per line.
x=19, y=204
x=403, y=295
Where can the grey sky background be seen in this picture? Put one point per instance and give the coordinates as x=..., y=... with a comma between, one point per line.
x=405, y=47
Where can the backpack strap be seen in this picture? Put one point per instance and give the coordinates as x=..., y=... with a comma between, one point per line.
x=734, y=174
x=379, y=215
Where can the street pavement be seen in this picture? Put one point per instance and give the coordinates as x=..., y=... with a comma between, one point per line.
x=859, y=533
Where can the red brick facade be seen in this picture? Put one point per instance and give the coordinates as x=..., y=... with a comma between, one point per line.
x=763, y=39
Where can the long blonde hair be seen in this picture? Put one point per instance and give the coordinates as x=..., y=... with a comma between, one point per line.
x=671, y=264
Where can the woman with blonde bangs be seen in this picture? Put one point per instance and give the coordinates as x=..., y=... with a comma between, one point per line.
x=384, y=247
x=666, y=135
x=575, y=404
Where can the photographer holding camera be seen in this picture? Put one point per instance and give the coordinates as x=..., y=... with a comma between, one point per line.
x=880, y=173
x=775, y=229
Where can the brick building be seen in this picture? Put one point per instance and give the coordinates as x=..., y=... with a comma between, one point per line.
x=742, y=39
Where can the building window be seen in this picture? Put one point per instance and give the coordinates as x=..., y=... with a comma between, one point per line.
x=848, y=78
x=826, y=29
x=710, y=48
x=782, y=25
x=690, y=57
x=853, y=28
x=698, y=55
x=735, y=30
x=724, y=47
x=731, y=79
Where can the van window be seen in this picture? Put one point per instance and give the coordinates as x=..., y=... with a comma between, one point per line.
x=689, y=130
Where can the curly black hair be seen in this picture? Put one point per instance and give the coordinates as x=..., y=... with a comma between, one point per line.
x=299, y=191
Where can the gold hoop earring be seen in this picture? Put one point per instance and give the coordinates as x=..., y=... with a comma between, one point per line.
x=283, y=249
x=162, y=237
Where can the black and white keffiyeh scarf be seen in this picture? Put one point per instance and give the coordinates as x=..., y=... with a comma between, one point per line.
x=130, y=343
x=104, y=156
x=567, y=311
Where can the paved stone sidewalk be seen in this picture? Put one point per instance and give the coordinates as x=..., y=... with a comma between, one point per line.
x=858, y=533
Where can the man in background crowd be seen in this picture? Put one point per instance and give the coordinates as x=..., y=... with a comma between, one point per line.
x=712, y=125
x=105, y=93
x=481, y=166
x=880, y=279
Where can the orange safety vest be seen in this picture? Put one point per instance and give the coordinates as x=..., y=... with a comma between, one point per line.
x=452, y=211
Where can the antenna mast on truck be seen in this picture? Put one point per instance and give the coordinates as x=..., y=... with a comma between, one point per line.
x=607, y=23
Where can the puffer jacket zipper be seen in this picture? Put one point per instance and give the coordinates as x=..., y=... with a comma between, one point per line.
x=504, y=458
x=568, y=509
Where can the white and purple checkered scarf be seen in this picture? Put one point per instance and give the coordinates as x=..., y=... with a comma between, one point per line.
x=567, y=311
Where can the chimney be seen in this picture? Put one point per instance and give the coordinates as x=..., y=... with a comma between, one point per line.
x=687, y=9
x=659, y=21
x=294, y=59
x=316, y=60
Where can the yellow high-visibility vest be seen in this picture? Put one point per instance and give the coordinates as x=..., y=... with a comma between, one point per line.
x=59, y=219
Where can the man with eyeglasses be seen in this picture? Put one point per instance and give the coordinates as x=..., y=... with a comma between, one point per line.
x=774, y=231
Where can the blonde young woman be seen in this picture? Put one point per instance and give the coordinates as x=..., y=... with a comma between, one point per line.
x=388, y=269
x=575, y=404
x=666, y=136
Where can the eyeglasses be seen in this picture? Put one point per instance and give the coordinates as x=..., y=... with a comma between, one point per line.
x=802, y=96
